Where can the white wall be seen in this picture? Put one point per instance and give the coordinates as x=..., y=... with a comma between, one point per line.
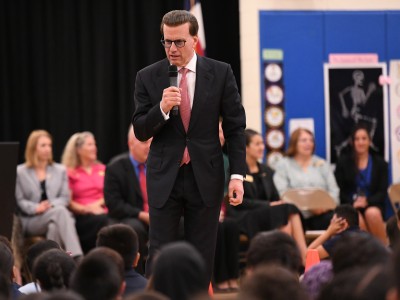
x=250, y=46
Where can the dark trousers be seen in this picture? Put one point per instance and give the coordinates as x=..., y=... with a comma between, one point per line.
x=87, y=227
x=200, y=221
x=226, y=264
x=320, y=222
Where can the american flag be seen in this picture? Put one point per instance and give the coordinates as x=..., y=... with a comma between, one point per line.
x=194, y=6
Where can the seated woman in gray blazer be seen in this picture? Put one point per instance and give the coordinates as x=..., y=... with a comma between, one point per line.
x=42, y=194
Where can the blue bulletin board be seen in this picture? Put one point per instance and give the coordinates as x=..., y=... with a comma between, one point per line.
x=307, y=38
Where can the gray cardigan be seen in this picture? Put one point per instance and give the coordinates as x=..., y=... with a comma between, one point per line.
x=28, y=191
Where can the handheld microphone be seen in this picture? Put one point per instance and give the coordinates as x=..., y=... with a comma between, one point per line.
x=173, y=81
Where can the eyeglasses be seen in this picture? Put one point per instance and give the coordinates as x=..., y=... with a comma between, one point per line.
x=168, y=43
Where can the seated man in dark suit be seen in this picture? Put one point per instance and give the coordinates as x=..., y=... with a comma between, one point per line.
x=125, y=190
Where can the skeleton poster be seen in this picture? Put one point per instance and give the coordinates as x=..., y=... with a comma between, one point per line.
x=353, y=95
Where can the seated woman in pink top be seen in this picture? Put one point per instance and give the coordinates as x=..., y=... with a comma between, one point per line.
x=86, y=181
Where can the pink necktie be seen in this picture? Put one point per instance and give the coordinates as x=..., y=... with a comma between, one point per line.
x=143, y=187
x=185, y=110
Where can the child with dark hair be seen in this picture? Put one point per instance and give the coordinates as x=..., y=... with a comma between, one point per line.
x=344, y=220
x=272, y=282
x=358, y=249
x=124, y=240
x=52, y=270
x=370, y=283
x=274, y=247
x=100, y=275
x=179, y=272
x=7, y=268
x=34, y=252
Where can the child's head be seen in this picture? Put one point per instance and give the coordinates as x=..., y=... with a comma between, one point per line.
x=53, y=269
x=273, y=247
x=122, y=239
x=348, y=213
x=37, y=249
x=100, y=275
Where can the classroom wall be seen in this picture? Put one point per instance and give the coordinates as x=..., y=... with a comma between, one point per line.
x=307, y=38
x=250, y=38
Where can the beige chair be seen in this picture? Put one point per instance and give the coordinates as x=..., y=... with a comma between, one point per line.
x=307, y=199
x=394, y=197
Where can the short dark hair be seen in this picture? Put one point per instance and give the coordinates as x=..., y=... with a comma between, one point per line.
x=347, y=212
x=358, y=249
x=179, y=17
x=37, y=249
x=179, y=271
x=274, y=247
x=53, y=269
x=368, y=283
x=121, y=238
x=99, y=275
x=272, y=282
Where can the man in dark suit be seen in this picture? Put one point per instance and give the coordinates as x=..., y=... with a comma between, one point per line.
x=123, y=194
x=185, y=170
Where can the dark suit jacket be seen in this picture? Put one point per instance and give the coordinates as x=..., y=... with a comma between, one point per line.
x=122, y=192
x=346, y=173
x=134, y=282
x=215, y=95
x=250, y=200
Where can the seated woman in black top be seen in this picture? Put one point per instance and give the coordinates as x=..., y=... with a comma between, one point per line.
x=362, y=177
x=262, y=208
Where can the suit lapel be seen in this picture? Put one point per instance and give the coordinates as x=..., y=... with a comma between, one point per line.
x=33, y=178
x=203, y=79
